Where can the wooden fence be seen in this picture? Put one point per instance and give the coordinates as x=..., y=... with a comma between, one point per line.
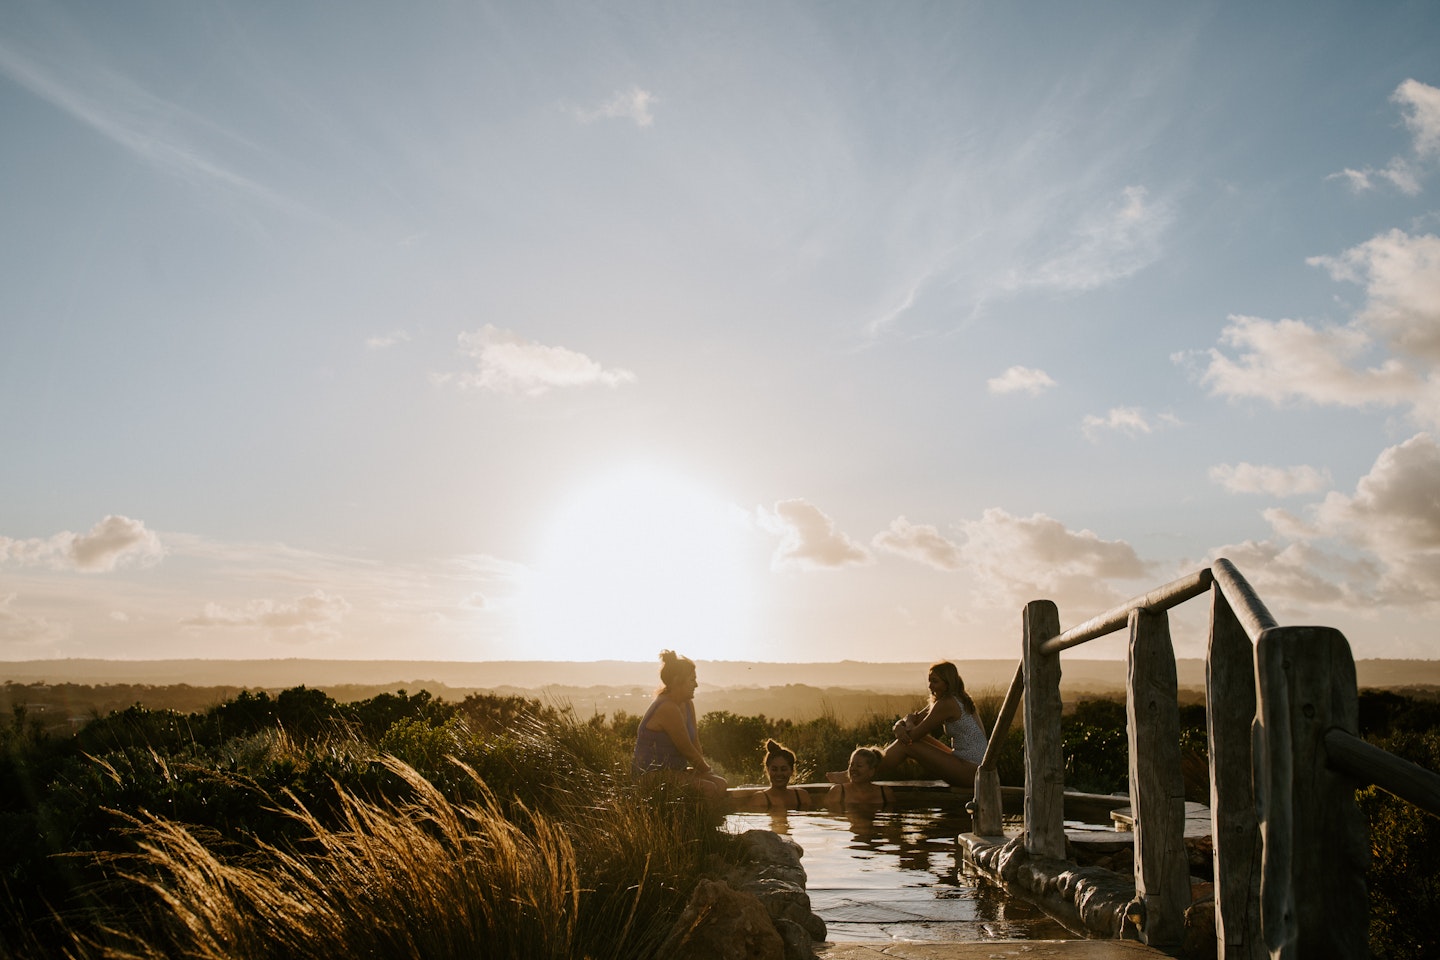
x=1290, y=843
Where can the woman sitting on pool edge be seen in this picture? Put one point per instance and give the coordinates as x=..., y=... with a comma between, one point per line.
x=858, y=789
x=780, y=767
x=666, y=738
x=951, y=712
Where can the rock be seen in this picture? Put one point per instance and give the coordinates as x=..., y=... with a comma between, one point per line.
x=779, y=871
x=767, y=846
x=799, y=945
x=721, y=923
x=1199, y=942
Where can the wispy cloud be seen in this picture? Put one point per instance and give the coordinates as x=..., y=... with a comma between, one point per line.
x=21, y=630
x=809, y=540
x=1020, y=380
x=148, y=126
x=113, y=542
x=884, y=322
x=1110, y=244
x=314, y=614
x=1420, y=106
x=387, y=340
x=633, y=104
x=509, y=364
x=1131, y=421
x=1276, y=481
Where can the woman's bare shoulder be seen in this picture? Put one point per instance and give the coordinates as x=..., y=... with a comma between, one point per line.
x=667, y=710
x=947, y=708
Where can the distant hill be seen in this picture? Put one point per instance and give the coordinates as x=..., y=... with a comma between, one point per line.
x=797, y=691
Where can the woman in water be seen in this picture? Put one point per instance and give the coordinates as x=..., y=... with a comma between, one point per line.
x=857, y=789
x=950, y=713
x=666, y=738
x=779, y=767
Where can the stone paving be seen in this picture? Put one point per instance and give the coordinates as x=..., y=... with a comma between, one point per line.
x=919, y=913
x=993, y=950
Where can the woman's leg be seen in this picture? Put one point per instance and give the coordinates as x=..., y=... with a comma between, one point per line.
x=943, y=763
x=933, y=756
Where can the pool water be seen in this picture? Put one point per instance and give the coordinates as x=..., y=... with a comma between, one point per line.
x=899, y=875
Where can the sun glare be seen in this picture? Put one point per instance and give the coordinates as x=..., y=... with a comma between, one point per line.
x=635, y=562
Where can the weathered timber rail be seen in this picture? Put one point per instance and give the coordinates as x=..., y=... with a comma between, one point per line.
x=1290, y=843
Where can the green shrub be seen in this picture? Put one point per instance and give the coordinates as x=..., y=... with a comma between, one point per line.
x=1405, y=846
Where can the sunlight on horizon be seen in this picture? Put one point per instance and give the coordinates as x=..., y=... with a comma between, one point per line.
x=635, y=561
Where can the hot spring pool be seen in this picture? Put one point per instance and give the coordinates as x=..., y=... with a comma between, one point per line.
x=899, y=875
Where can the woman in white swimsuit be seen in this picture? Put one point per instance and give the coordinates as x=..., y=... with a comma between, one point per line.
x=951, y=713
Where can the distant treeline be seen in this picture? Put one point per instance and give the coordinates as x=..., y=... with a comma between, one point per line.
x=68, y=706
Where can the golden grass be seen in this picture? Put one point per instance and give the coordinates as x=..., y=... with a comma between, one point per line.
x=426, y=878
x=601, y=877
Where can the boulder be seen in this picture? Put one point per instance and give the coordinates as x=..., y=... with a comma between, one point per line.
x=722, y=923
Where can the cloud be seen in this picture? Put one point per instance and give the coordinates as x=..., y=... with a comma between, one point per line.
x=113, y=542
x=633, y=105
x=1113, y=243
x=509, y=364
x=1026, y=558
x=1285, y=360
x=1276, y=481
x=1131, y=421
x=1021, y=379
x=314, y=614
x=1397, y=503
x=1384, y=538
x=1420, y=106
x=1401, y=277
x=1298, y=575
x=1289, y=360
x=919, y=542
x=808, y=538
x=387, y=340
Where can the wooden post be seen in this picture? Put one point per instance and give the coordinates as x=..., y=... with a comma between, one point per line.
x=1044, y=756
x=1157, y=790
x=989, y=820
x=1229, y=714
x=1313, y=898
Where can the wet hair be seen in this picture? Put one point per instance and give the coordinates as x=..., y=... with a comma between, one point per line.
x=869, y=753
x=674, y=668
x=954, y=686
x=773, y=748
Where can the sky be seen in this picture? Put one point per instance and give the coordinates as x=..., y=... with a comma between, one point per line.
x=788, y=331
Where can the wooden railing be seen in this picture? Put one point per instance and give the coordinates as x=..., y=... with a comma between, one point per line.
x=1290, y=843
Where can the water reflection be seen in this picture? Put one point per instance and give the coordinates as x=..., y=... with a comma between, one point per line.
x=914, y=847
x=870, y=873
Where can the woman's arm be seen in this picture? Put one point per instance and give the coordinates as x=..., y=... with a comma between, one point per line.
x=934, y=718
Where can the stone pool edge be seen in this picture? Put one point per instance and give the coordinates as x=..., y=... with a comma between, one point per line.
x=1092, y=901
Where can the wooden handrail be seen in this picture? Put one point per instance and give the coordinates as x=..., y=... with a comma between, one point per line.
x=1004, y=719
x=1370, y=764
x=1291, y=725
x=1242, y=599
x=1170, y=595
